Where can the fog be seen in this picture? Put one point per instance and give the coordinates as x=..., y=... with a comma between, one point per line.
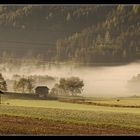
x=101, y=81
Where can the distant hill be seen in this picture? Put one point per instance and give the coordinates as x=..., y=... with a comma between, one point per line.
x=37, y=28
x=96, y=33
x=115, y=39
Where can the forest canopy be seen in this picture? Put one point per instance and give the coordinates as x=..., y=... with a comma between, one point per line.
x=88, y=34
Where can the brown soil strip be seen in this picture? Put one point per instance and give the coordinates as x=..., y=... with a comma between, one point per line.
x=11, y=125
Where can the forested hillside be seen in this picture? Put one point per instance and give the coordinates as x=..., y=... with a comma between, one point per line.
x=34, y=30
x=92, y=33
x=116, y=39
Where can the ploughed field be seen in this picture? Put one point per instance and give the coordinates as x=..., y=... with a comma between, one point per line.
x=52, y=117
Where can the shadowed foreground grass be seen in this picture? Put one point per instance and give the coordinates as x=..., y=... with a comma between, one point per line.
x=13, y=125
x=28, y=116
x=84, y=122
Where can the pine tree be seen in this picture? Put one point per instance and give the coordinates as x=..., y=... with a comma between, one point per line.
x=107, y=37
x=68, y=17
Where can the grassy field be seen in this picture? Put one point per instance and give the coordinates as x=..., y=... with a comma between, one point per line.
x=122, y=101
x=97, y=119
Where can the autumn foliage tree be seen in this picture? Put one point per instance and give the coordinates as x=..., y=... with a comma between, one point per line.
x=69, y=86
x=24, y=85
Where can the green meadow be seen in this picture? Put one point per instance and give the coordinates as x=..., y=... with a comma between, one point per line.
x=99, y=116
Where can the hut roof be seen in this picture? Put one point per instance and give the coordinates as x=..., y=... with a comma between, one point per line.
x=1, y=92
x=42, y=87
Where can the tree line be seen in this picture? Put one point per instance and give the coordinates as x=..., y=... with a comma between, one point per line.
x=71, y=86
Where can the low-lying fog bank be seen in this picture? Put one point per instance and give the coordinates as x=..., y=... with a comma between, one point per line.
x=99, y=81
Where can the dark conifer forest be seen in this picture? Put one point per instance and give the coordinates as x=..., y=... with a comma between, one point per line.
x=85, y=34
